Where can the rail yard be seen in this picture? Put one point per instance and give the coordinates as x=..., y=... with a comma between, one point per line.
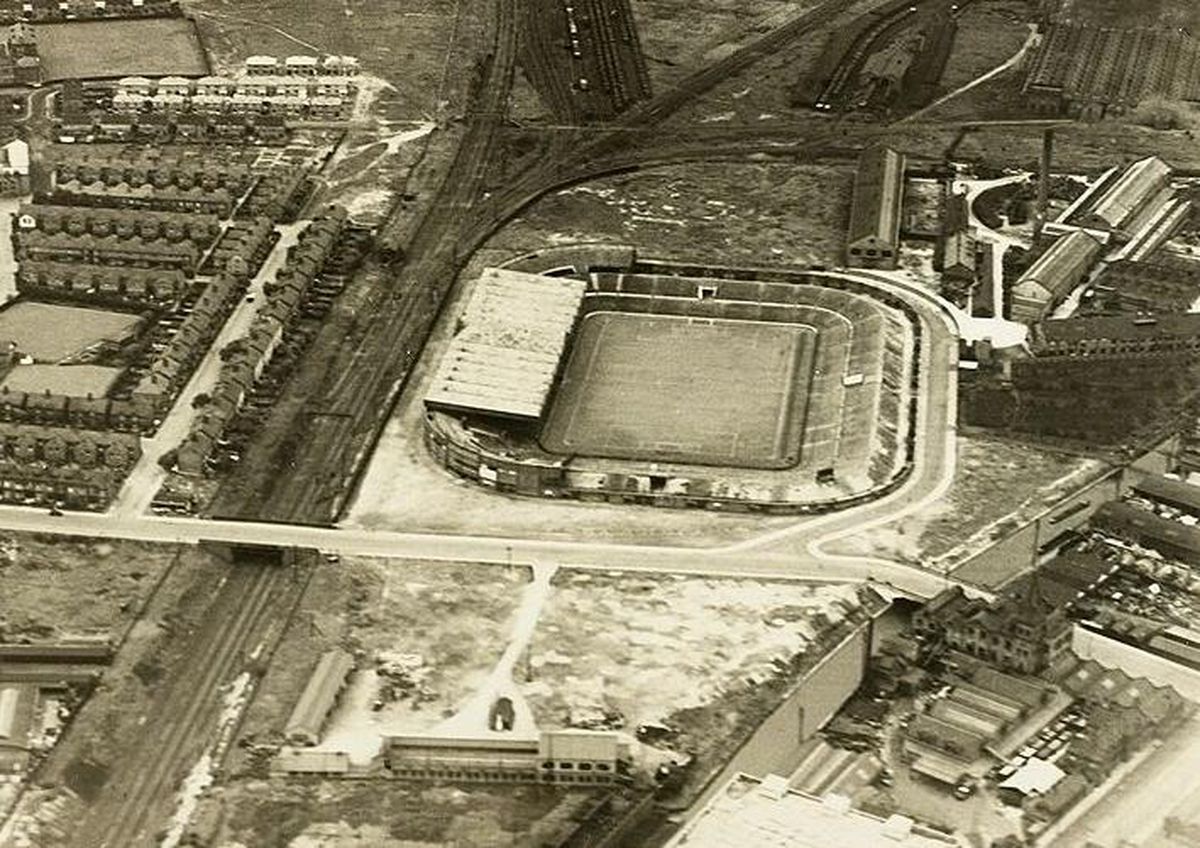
x=405, y=436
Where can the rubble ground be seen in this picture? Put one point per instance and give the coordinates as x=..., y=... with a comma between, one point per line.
x=429, y=632
x=358, y=814
x=57, y=587
x=995, y=482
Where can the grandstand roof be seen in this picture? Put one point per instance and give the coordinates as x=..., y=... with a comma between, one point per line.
x=878, y=192
x=1130, y=191
x=1059, y=268
x=753, y=813
x=513, y=332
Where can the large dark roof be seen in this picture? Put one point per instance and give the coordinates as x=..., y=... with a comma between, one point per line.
x=1148, y=527
x=1170, y=492
x=878, y=189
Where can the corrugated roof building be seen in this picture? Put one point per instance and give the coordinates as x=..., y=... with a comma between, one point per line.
x=1129, y=192
x=319, y=697
x=873, y=240
x=513, y=334
x=1054, y=276
x=749, y=812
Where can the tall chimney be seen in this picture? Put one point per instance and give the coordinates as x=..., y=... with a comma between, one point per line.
x=1043, y=198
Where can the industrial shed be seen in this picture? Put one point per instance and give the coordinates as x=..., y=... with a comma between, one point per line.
x=1054, y=276
x=1173, y=493
x=512, y=335
x=1136, y=186
x=873, y=240
x=319, y=698
x=1089, y=71
x=1169, y=538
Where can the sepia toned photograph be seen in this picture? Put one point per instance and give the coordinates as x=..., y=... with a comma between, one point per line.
x=599, y=424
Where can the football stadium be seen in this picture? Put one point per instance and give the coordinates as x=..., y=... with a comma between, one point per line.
x=677, y=385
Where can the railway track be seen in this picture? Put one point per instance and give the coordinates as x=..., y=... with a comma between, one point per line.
x=347, y=416
x=143, y=785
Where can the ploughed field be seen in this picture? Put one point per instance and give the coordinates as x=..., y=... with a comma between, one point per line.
x=684, y=389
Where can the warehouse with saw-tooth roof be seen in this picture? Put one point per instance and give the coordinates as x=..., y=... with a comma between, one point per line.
x=512, y=334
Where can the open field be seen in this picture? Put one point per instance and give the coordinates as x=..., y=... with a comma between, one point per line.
x=734, y=213
x=50, y=333
x=357, y=814
x=690, y=653
x=989, y=33
x=77, y=380
x=996, y=482
x=449, y=621
x=681, y=37
x=682, y=390
x=406, y=43
x=58, y=587
x=1167, y=14
x=117, y=48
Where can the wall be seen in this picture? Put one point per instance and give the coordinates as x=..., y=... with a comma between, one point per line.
x=775, y=747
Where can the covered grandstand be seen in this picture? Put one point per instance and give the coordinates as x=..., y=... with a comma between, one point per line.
x=512, y=336
x=687, y=389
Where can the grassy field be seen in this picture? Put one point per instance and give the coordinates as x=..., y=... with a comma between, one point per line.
x=668, y=388
x=57, y=587
x=50, y=333
x=358, y=814
x=989, y=33
x=116, y=48
x=1167, y=14
x=735, y=213
x=77, y=380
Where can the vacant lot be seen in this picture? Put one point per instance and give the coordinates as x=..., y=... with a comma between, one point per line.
x=716, y=212
x=55, y=587
x=449, y=621
x=671, y=388
x=117, y=48
x=373, y=814
x=989, y=34
x=77, y=380
x=51, y=333
x=994, y=480
x=619, y=650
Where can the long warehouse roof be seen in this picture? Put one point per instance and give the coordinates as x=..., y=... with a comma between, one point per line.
x=513, y=332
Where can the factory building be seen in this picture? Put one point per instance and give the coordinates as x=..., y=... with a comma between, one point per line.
x=1051, y=279
x=873, y=240
x=1089, y=71
x=750, y=812
x=1021, y=632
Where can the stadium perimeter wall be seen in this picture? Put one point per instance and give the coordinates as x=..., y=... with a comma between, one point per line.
x=492, y=464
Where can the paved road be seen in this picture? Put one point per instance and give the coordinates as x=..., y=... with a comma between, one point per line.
x=148, y=476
